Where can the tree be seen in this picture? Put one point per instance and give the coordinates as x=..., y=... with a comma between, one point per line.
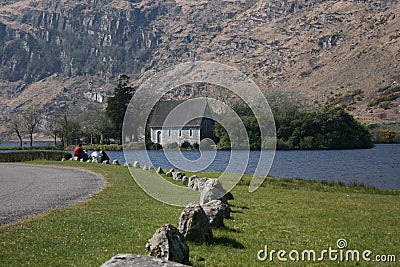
x=31, y=119
x=117, y=104
x=96, y=123
x=69, y=128
x=52, y=127
x=15, y=126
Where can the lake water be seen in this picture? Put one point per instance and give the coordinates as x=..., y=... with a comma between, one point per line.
x=378, y=167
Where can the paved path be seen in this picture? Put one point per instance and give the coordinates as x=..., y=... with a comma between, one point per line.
x=28, y=190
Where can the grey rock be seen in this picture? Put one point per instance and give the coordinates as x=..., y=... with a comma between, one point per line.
x=151, y=168
x=115, y=162
x=169, y=174
x=105, y=162
x=194, y=224
x=133, y=260
x=177, y=175
x=136, y=164
x=193, y=183
x=193, y=177
x=168, y=243
x=171, y=170
x=202, y=182
x=185, y=180
x=127, y=164
x=212, y=189
x=145, y=167
x=216, y=212
x=159, y=170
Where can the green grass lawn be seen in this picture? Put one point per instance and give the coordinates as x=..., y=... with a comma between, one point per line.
x=283, y=214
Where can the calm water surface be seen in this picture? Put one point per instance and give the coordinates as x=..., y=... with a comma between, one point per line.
x=378, y=167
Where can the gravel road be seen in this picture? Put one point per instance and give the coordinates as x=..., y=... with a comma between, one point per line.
x=28, y=190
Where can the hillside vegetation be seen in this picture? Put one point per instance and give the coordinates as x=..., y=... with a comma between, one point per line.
x=55, y=51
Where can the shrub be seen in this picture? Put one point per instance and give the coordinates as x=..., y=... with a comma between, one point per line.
x=33, y=155
x=174, y=145
x=186, y=145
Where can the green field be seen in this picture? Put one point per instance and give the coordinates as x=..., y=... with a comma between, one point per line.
x=283, y=214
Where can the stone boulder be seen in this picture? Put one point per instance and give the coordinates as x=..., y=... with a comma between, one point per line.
x=130, y=260
x=193, y=183
x=169, y=174
x=177, y=175
x=115, y=162
x=211, y=189
x=185, y=180
x=216, y=212
x=159, y=170
x=168, y=243
x=136, y=164
x=194, y=224
x=127, y=164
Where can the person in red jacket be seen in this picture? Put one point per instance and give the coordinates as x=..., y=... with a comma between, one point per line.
x=80, y=153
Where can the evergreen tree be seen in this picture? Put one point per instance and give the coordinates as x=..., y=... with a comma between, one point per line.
x=117, y=105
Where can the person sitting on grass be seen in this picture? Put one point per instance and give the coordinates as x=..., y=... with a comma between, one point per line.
x=80, y=153
x=96, y=156
x=104, y=156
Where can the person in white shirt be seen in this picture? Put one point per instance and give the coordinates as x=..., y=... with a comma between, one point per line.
x=96, y=156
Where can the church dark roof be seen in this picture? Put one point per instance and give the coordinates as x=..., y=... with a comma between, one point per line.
x=163, y=108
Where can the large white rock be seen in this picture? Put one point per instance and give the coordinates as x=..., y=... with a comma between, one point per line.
x=133, y=260
x=216, y=212
x=211, y=189
x=194, y=224
x=168, y=243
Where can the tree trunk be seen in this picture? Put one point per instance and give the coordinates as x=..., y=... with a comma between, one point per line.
x=20, y=140
x=55, y=140
x=31, y=142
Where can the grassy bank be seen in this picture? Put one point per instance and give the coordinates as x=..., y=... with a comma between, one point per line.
x=282, y=214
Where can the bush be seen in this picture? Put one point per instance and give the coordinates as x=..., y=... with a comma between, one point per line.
x=153, y=146
x=33, y=155
x=329, y=128
x=186, y=145
x=174, y=145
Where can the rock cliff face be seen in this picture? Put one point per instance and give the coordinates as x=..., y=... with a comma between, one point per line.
x=321, y=50
x=75, y=38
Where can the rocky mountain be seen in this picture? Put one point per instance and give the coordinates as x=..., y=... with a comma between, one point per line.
x=342, y=52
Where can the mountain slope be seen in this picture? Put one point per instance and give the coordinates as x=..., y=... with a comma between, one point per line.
x=325, y=51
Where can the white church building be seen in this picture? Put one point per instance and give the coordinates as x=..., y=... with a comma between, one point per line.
x=193, y=131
